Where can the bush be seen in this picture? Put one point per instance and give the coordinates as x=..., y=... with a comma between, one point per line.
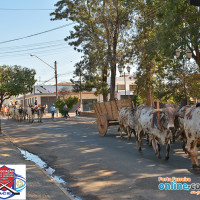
x=137, y=100
x=70, y=101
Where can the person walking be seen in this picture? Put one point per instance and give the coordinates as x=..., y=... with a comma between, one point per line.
x=66, y=110
x=53, y=109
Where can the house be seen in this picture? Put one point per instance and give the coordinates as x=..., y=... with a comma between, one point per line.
x=125, y=86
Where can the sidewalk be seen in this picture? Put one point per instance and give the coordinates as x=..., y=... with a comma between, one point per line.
x=48, y=115
x=40, y=186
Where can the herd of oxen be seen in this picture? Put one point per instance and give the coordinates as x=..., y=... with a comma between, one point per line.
x=19, y=113
x=163, y=126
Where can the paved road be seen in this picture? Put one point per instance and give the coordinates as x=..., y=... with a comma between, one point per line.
x=95, y=167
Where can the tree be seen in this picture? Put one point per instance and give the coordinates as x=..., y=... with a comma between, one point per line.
x=179, y=81
x=14, y=81
x=178, y=29
x=162, y=28
x=70, y=101
x=144, y=48
x=100, y=33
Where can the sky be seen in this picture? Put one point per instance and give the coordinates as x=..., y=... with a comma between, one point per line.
x=17, y=22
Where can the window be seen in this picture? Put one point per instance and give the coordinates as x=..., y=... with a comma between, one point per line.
x=132, y=87
x=121, y=87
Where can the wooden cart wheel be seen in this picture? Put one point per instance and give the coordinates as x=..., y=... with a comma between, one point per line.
x=102, y=124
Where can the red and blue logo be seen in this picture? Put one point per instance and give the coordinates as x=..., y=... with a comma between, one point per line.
x=11, y=184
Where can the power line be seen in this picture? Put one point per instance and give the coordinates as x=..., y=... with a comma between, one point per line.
x=37, y=33
x=43, y=82
x=37, y=48
x=33, y=44
x=25, y=9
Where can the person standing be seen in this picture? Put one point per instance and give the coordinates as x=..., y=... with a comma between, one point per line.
x=78, y=110
x=36, y=102
x=66, y=110
x=53, y=109
x=46, y=109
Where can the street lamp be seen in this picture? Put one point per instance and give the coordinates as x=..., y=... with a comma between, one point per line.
x=188, y=55
x=80, y=92
x=55, y=69
x=178, y=53
x=121, y=69
x=128, y=69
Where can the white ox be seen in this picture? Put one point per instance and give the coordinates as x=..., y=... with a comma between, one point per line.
x=192, y=132
x=11, y=112
x=31, y=114
x=126, y=121
x=14, y=113
x=160, y=132
x=40, y=113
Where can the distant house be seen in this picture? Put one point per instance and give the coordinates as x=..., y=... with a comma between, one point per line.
x=46, y=94
x=125, y=86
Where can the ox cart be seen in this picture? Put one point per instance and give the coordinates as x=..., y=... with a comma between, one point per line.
x=107, y=113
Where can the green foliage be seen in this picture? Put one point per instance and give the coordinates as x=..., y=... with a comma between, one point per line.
x=70, y=101
x=137, y=100
x=15, y=80
x=101, y=34
x=120, y=32
x=182, y=80
x=60, y=104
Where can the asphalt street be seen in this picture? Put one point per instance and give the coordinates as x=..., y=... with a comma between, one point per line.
x=107, y=168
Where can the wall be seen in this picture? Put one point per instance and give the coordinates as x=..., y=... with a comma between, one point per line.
x=49, y=101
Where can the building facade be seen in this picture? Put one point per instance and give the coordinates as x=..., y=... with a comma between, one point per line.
x=124, y=86
x=46, y=95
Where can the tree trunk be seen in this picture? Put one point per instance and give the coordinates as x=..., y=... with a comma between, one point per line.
x=105, y=75
x=112, y=82
x=112, y=40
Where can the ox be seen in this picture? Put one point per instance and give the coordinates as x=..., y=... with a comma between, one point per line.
x=20, y=113
x=159, y=131
x=179, y=126
x=40, y=113
x=11, y=112
x=31, y=113
x=191, y=123
x=126, y=121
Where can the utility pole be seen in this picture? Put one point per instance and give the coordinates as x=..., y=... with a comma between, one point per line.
x=0, y=125
x=56, y=78
x=81, y=106
x=125, y=83
x=56, y=74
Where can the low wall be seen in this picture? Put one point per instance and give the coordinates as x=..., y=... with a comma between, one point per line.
x=87, y=114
